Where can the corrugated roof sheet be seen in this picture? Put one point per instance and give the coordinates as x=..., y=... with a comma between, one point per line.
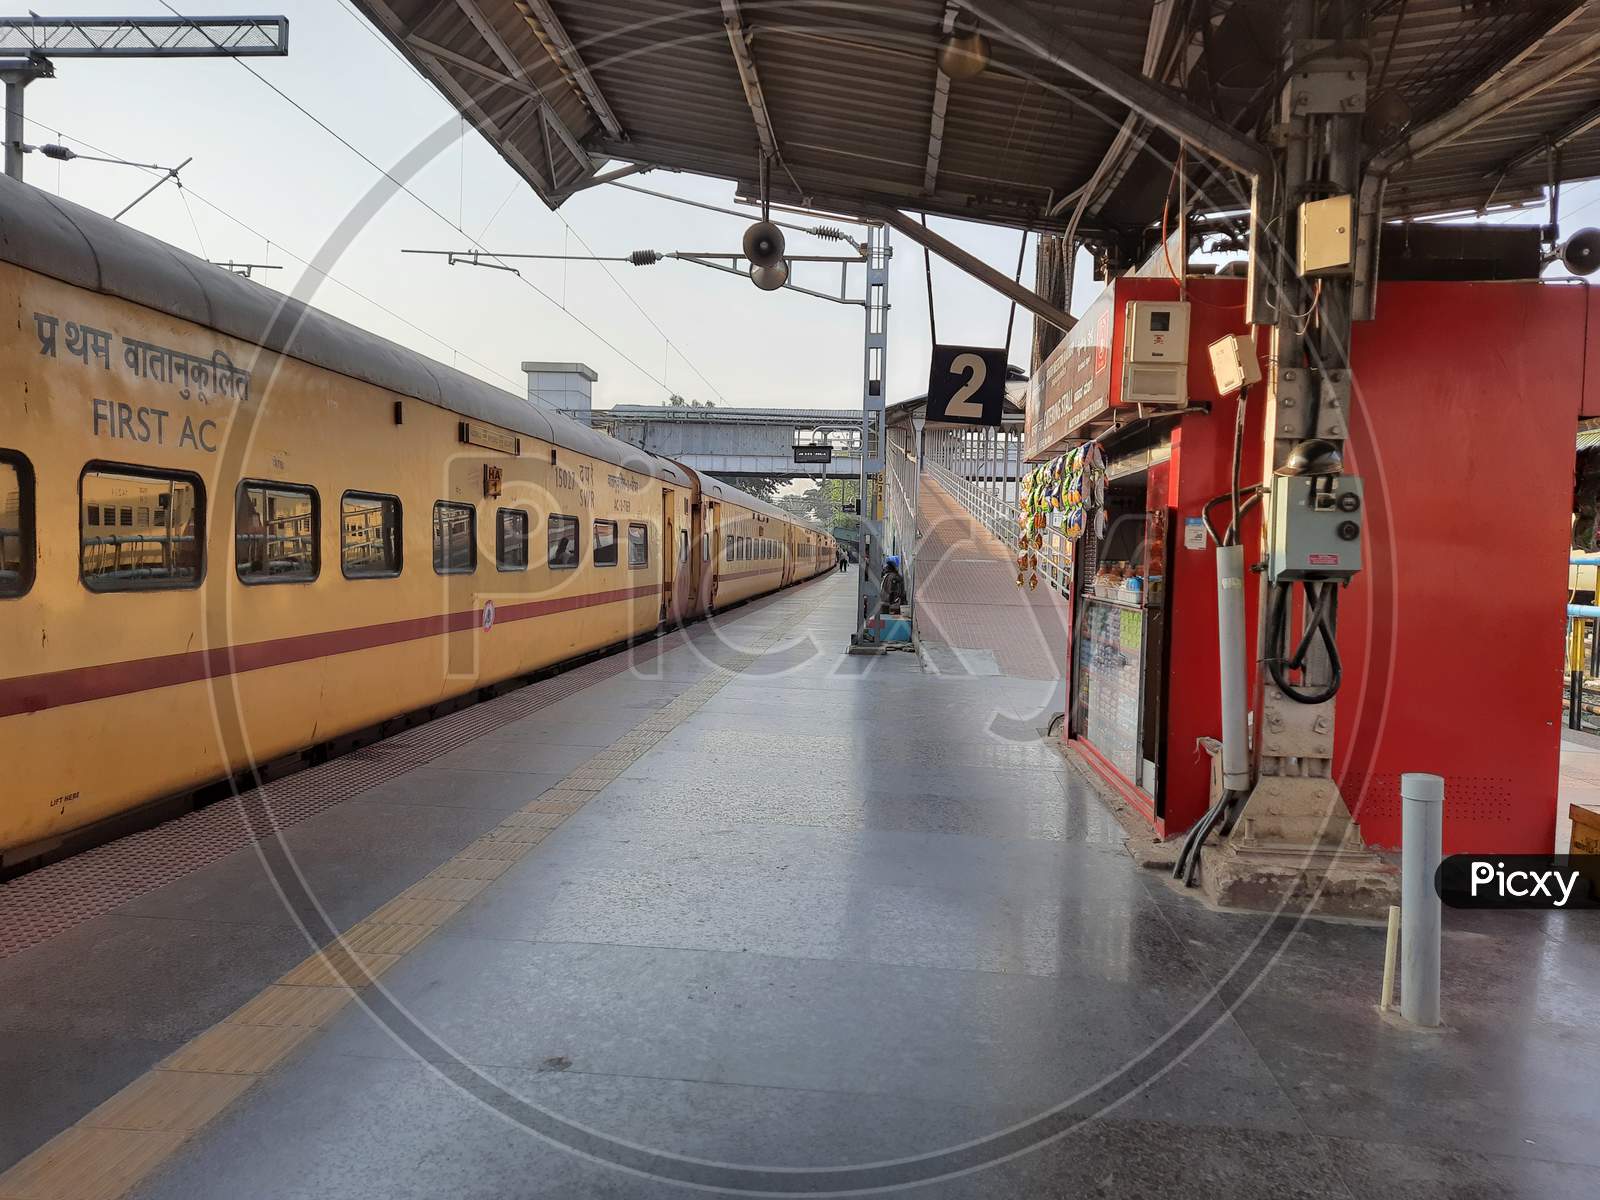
x=850, y=90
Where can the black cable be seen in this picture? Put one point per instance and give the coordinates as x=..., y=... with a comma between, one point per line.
x=1252, y=496
x=1202, y=832
x=1205, y=515
x=1238, y=453
x=1219, y=817
x=1322, y=609
x=1250, y=501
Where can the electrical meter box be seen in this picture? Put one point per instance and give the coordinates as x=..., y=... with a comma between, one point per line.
x=1327, y=239
x=1233, y=363
x=1155, y=352
x=1316, y=527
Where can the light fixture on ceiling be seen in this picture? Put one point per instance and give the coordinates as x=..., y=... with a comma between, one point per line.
x=963, y=53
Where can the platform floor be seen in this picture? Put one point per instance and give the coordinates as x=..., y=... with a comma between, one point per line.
x=754, y=915
x=1580, y=781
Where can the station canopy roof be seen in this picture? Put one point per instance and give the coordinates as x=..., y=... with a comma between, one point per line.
x=846, y=100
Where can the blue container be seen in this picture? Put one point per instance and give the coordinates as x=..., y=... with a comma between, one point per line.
x=891, y=629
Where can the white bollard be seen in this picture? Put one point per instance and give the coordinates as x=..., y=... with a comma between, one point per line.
x=1421, y=911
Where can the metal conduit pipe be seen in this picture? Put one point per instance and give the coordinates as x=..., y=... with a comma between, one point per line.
x=1231, y=655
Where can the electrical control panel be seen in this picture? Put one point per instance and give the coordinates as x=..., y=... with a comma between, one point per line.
x=1317, y=525
x=1327, y=237
x=1155, y=352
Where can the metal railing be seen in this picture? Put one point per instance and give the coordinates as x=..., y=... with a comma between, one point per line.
x=136, y=556
x=900, y=494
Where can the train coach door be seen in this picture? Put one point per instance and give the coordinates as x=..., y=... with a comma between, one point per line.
x=669, y=557
x=695, y=568
x=714, y=566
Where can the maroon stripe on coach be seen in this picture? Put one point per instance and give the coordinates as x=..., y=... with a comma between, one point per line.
x=52, y=689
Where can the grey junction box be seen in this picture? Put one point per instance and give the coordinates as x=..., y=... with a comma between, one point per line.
x=1316, y=527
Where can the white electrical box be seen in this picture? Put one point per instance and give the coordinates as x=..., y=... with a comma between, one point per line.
x=1155, y=352
x=1327, y=239
x=1316, y=527
x=1234, y=364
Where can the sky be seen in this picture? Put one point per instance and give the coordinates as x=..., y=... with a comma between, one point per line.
x=268, y=184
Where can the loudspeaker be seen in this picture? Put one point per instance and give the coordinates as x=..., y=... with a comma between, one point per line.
x=1580, y=253
x=763, y=244
x=770, y=279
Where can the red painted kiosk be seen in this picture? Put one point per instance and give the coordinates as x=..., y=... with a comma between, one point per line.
x=1465, y=403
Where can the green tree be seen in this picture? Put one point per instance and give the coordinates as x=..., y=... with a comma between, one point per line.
x=763, y=487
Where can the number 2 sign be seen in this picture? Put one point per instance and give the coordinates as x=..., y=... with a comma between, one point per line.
x=967, y=385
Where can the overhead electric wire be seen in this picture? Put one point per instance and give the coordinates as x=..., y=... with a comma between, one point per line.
x=350, y=146
x=307, y=264
x=566, y=225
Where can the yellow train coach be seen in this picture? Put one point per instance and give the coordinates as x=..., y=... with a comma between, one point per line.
x=233, y=528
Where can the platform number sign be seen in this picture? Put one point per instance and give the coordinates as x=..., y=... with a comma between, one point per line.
x=967, y=385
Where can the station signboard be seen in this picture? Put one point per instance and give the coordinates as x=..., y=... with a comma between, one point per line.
x=813, y=454
x=967, y=385
x=1073, y=386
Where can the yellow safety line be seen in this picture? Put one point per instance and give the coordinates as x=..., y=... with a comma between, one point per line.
x=108, y=1151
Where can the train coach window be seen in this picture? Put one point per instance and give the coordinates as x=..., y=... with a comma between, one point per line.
x=511, y=540
x=563, y=542
x=638, y=545
x=16, y=524
x=274, y=533
x=455, y=540
x=705, y=547
x=369, y=535
x=683, y=545
x=605, y=543
x=164, y=551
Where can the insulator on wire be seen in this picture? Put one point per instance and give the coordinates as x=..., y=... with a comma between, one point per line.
x=645, y=258
x=831, y=232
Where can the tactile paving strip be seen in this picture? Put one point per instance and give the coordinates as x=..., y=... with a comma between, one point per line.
x=43, y=903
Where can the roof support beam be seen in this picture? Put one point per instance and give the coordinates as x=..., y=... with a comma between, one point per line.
x=941, y=101
x=1156, y=103
x=490, y=125
x=547, y=27
x=1506, y=93
x=493, y=40
x=974, y=266
x=440, y=55
x=1554, y=141
x=739, y=40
